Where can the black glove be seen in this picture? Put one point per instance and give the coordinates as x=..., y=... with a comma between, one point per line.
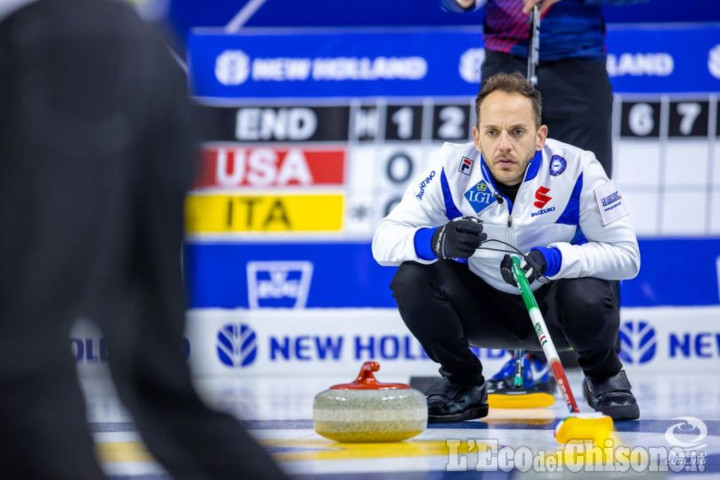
x=458, y=238
x=533, y=264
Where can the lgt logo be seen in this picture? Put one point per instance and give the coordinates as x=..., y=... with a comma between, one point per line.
x=638, y=342
x=236, y=345
x=278, y=284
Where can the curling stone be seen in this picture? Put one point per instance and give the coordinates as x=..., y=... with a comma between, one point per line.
x=367, y=411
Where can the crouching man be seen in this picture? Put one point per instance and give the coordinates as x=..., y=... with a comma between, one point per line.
x=512, y=191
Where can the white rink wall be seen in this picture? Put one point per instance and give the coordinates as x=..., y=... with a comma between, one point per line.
x=227, y=343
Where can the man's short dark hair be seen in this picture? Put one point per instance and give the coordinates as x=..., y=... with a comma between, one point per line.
x=510, y=83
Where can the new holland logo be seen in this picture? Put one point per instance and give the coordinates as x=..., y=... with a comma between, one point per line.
x=278, y=284
x=638, y=342
x=236, y=345
x=470, y=63
x=714, y=61
x=541, y=197
x=232, y=67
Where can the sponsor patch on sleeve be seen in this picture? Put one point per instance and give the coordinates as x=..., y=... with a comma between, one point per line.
x=466, y=166
x=557, y=165
x=611, y=203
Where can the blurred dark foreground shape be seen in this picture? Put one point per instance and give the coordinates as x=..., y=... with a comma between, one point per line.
x=95, y=158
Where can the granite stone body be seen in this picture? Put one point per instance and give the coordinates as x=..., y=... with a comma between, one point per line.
x=367, y=411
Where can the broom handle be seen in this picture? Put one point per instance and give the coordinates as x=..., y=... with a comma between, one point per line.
x=534, y=46
x=544, y=336
x=519, y=378
x=533, y=60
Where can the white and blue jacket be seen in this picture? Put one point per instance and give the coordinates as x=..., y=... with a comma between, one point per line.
x=566, y=207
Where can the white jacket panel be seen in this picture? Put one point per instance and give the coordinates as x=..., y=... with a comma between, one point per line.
x=563, y=191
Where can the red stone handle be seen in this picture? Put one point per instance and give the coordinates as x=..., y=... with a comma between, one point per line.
x=366, y=380
x=366, y=377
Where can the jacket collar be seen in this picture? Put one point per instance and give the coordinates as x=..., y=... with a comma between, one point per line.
x=530, y=173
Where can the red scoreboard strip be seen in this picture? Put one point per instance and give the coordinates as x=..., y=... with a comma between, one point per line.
x=237, y=166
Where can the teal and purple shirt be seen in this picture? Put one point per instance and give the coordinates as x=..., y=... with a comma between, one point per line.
x=569, y=29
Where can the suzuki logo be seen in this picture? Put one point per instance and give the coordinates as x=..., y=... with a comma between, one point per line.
x=638, y=342
x=541, y=197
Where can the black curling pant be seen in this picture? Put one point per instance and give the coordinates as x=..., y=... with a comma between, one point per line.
x=447, y=308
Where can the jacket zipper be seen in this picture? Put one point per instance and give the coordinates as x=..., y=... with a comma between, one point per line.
x=510, y=236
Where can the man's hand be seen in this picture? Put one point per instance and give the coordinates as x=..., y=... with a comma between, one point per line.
x=533, y=264
x=465, y=4
x=544, y=5
x=458, y=238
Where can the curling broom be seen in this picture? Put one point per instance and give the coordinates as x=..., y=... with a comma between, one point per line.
x=519, y=396
x=594, y=427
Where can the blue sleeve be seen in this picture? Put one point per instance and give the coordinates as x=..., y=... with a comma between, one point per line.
x=553, y=259
x=423, y=243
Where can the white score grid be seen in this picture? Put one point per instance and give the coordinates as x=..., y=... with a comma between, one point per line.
x=665, y=158
x=667, y=163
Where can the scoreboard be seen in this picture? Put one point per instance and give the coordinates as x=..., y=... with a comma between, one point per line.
x=351, y=162
x=319, y=133
x=667, y=163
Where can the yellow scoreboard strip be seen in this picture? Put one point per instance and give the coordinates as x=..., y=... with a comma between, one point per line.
x=264, y=213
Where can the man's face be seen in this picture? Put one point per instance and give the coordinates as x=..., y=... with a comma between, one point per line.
x=506, y=135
